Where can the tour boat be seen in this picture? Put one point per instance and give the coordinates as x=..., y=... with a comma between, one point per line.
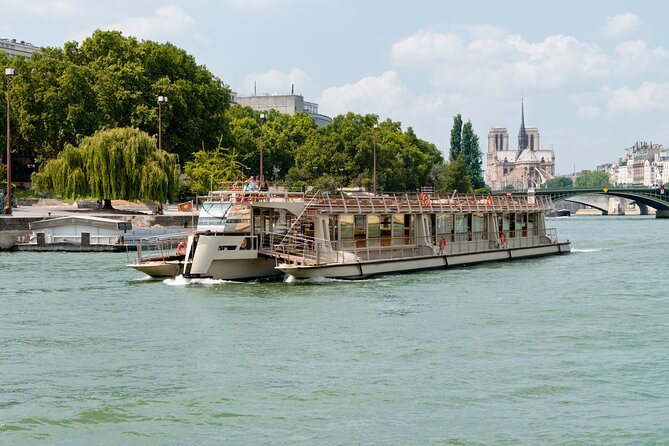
x=351, y=235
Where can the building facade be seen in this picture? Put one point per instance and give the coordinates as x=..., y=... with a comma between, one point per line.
x=12, y=47
x=643, y=164
x=288, y=104
x=526, y=167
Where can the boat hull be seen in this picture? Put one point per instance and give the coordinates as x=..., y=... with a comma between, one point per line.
x=361, y=270
x=159, y=269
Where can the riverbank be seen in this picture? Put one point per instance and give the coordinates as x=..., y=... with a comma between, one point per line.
x=142, y=217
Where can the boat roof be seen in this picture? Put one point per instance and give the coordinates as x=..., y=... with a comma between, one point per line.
x=362, y=203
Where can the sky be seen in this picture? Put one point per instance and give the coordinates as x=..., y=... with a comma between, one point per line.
x=592, y=74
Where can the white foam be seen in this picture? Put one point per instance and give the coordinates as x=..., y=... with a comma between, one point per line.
x=586, y=250
x=180, y=280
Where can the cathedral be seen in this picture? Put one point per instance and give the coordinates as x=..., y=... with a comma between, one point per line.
x=526, y=167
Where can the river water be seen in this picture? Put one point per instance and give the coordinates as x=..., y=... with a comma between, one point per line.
x=570, y=349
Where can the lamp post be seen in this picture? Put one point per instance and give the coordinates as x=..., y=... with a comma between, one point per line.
x=9, y=73
x=263, y=118
x=161, y=101
x=376, y=126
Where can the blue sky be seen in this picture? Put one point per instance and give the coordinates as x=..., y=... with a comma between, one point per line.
x=593, y=74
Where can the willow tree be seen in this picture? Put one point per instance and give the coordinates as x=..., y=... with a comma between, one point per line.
x=121, y=163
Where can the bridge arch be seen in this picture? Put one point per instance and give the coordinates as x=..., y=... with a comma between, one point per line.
x=656, y=198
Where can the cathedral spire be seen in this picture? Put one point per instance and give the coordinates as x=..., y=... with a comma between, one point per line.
x=522, y=134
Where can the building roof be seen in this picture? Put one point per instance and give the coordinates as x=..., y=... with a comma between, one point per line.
x=99, y=222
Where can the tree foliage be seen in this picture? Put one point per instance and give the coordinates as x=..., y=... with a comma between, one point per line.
x=210, y=167
x=465, y=146
x=121, y=163
x=596, y=178
x=62, y=95
x=451, y=177
x=558, y=183
x=344, y=149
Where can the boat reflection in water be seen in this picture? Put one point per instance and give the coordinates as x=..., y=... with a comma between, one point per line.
x=244, y=236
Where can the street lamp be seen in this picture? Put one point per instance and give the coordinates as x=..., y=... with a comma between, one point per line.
x=161, y=101
x=376, y=126
x=263, y=118
x=9, y=73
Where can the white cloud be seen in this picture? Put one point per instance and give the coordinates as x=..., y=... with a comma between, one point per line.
x=383, y=95
x=647, y=98
x=488, y=58
x=425, y=47
x=277, y=82
x=253, y=4
x=47, y=8
x=620, y=24
x=165, y=21
x=588, y=111
x=636, y=56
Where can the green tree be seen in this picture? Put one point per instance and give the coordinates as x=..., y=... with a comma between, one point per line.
x=465, y=145
x=471, y=155
x=120, y=163
x=209, y=167
x=451, y=176
x=344, y=149
x=558, y=183
x=62, y=95
x=456, y=137
x=596, y=178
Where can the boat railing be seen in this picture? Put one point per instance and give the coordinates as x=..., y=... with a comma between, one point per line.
x=363, y=202
x=307, y=250
x=161, y=247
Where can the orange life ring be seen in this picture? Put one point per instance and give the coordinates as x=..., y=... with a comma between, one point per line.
x=240, y=197
x=442, y=243
x=180, y=248
x=185, y=207
x=243, y=245
x=424, y=200
x=502, y=238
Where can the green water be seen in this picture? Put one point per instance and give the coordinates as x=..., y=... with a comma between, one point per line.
x=561, y=350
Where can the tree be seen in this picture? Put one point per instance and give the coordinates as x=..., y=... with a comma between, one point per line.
x=456, y=137
x=208, y=168
x=558, y=183
x=120, y=163
x=344, y=149
x=597, y=178
x=451, y=177
x=62, y=95
x=471, y=155
x=465, y=145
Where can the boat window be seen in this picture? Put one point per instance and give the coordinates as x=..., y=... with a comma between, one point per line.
x=346, y=230
x=398, y=229
x=461, y=224
x=478, y=223
x=444, y=223
x=505, y=222
x=531, y=222
x=373, y=230
x=361, y=230
x=386, y=231
x=409, y=231
x=334, y=227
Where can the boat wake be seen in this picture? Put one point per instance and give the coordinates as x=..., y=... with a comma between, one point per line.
x=586, y=250
x=183, y=281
